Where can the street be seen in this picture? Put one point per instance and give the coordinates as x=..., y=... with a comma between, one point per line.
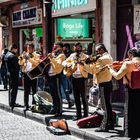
x=14, y=127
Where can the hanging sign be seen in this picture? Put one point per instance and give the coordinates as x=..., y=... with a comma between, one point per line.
x=26, y=17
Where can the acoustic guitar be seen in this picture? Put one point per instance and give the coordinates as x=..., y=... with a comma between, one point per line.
x=40, y=70
x=68, y=71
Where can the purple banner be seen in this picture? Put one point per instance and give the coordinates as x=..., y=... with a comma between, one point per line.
x=130, y=41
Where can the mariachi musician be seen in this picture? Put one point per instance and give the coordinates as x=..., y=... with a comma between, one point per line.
x=28, y=60
x=132, y=97
x=104, y=80
x=75, y=63
x=56, y=58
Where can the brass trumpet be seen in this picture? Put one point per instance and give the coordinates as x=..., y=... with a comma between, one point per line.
x=25, y=56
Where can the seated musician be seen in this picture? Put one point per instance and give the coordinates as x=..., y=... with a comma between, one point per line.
x=28, y=60
x=56, y=58
x=78, y=79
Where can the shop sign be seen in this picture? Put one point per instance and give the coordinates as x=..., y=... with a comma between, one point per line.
x=136, y=19
x=67, y=7
x=72, y=28
x=26, y=17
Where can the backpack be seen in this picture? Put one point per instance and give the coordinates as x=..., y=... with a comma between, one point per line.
x=43, y=103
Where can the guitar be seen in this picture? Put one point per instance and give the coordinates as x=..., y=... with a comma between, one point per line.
x=40, y=70
x=68, y=71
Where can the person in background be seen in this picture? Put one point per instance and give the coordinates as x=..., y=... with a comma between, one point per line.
x=65, y=82
x=56, y=58
x=28, y=60
x=78, y=80
x=132, y=115
x=11, y=61
x=4, y=69
x=104, y=79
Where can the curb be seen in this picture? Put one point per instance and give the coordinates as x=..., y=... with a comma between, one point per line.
x=44, y=120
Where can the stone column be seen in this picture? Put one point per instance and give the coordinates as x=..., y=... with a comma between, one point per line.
x=109, y=26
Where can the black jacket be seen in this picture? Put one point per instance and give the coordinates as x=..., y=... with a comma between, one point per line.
x=12, y=64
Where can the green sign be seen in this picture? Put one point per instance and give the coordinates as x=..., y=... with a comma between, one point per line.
x=39, y=32
x=61, y=4
x=73, y=27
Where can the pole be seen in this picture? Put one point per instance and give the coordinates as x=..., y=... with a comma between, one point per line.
x=48, y=11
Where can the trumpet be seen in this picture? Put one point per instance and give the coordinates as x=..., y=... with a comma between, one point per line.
x=25, y=56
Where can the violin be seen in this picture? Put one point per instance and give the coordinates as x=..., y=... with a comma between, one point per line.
x=92, y=59
x=117, y=65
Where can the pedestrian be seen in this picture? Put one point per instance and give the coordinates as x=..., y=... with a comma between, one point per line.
x=78, y=80
x=133, y=116
x=28, y=60
x=4, y=69
x=104, y=79
x=13, y=68
x=65, y=82
x=56, y=58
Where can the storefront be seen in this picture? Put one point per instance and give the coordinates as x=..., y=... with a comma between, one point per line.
x=27, y=22
x=75, y=21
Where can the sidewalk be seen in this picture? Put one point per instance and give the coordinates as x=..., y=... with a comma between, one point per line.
x=85, y=134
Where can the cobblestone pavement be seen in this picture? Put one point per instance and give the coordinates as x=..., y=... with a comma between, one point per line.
x=13, y=127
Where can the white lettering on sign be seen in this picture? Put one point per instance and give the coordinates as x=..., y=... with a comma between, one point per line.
x=61, y=4
x=72, y=26
x=29, y=16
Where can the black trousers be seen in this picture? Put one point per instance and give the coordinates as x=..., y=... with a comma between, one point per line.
x=133, y=113
x=28, y=85
x=79, y=93
x=13, y=88
x=105, y=90
x=53, y=82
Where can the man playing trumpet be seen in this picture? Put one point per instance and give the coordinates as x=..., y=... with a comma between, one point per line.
x=28, y=60
x=56, y=58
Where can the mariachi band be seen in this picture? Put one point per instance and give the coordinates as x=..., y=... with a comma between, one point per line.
x=77, y=66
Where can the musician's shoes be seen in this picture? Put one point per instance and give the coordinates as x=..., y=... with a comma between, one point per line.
x=52, y=112
x=70, y=104
x=76, y=118
x=16, y=105
x=101, y=130
x=58, y=114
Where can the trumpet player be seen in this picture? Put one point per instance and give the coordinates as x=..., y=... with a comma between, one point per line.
x=28, y=60
x=78, y=80
x=56, y=58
